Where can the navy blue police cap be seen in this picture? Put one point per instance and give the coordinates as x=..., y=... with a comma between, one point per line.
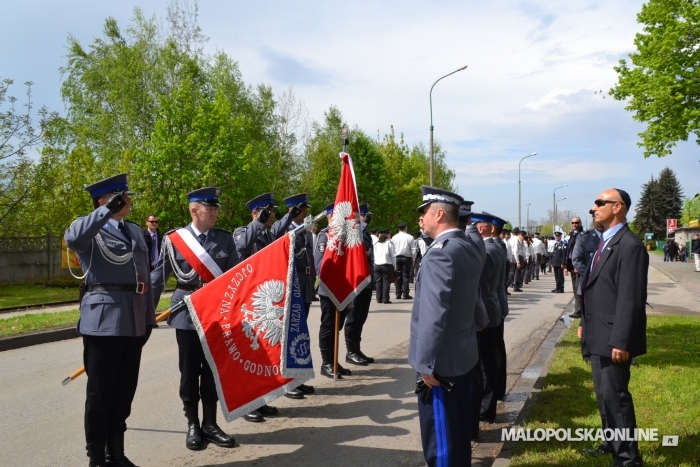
x=497, y=221
x=298, y=199
x=438, y=195
x=116, y=184
x=558, y=234
x=403, y=225
x=482, y=218
x=375, y=230
x=266, y=200
x=364, y=208
x=329, y=209
x=208, y=196
x=384, y=231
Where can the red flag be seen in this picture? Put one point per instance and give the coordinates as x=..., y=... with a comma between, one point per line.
x=344, y=270
x=245, y=318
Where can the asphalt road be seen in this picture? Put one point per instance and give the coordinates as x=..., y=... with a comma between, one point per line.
x=369, y=418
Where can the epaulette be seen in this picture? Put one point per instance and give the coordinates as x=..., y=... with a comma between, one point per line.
x=242, y=228
x=169, y=232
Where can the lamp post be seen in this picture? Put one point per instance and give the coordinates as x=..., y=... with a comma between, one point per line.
x=520, y=224
x=554, y=205
x=432, y=179
x=527, y=218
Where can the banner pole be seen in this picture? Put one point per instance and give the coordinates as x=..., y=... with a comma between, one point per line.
x=335, y=349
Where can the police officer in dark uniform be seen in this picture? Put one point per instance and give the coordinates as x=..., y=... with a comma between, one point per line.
x=116, y=315
x=196, y=377
x=559, y=262
x=326, y=334
x=500, y=389
x=298, y=206
x=357, y=315
x=253, y=238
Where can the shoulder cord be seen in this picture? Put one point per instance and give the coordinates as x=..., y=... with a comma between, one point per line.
x=70, y=269
x=113, y=258
x=184, y=277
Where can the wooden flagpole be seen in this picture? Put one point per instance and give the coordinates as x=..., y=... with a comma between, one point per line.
x=335, y=348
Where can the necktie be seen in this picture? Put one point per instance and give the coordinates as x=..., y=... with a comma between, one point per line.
x=598, y=252
x=122, y=229
x=202, y=239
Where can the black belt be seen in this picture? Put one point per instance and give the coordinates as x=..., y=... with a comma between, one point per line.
x=139, y=287
x=188, y=287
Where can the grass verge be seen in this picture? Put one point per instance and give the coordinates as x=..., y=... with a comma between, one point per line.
x=37, y=322
x=664, y=389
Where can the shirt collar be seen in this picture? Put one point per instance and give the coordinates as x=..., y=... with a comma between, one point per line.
x=445, y=231
x=114, y=223
x=197, y=233
x=608, y=234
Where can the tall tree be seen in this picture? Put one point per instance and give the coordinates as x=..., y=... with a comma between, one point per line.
x=670, y=195
x=662, y=82
x=648, y=217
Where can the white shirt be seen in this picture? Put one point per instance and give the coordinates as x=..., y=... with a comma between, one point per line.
x=197, y=233
x=538, y=247
x=404, y=245
x=384, y=253
x=550, y=246
x=374, y=239
x=420, y=243
x=509, y=252
x=518, y=248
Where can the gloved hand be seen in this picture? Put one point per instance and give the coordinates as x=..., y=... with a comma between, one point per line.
x=116, y=203
x=368, y=218
x=423, y=390
x=263, y=216
x=147, y=336
x=296, y=210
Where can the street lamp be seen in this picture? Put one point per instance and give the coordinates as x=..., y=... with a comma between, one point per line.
x=432, y=180
x=554, y=204
x=520, y=224
x=527, y=218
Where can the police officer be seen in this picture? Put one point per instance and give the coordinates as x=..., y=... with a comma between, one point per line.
x=196, y=377
x=116, y=314
x=442, y=347
x=357, y=315
x=559, y=262
x=500, y=390
x=326, y=333
x=298, y=206
x=253, y=238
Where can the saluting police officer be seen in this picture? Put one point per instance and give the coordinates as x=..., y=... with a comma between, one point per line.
x=357, y=315
x=298, y=206
x=116, y=315
x=253, y=238
x=326, y=333
x=196, y=377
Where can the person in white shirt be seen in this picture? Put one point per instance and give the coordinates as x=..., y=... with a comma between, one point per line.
x=539, y=252
x=550, y=251
x=384, y=265
x=405, y=251
x=517, y=243
x=374, y=235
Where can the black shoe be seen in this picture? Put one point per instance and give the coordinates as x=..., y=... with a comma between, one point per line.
x=517, y=290
x=554, y=291
x=361, y=354
x=379, y=301
x=294, y=394
x=268, y=410
x=211, y=430
x=114, y=457
x=574, y=315
x=398, y=297
x=508, y=293
x=355, y=359
x=315, y=298
x=305, y=389
x=560, y=291
x=194, y=438
x=327, y=370
x=254, y=417
x=600, y=450
x=407, y=297
x=487, y=419
x=344, y=371
x=388, y=302
x=96, y=453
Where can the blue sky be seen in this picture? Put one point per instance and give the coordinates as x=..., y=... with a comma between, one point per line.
x=534, y=68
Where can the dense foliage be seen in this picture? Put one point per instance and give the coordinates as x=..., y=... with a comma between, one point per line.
x=661, y=199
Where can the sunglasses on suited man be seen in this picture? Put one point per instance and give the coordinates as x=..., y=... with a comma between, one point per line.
x=602, y=202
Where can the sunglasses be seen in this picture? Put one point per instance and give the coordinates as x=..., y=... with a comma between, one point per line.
x=152, y=222
x=574, y=222
x=602, y=202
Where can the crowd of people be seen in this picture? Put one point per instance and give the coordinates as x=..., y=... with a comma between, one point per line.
x=674, y=251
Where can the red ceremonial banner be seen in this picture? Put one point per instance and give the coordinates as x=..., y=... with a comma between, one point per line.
x=240, y=319
x=344, y=270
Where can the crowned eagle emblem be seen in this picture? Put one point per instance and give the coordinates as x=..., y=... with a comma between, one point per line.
x=266, y=317
x=344, y=231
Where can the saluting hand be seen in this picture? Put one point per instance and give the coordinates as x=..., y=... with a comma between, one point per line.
x=429, y=380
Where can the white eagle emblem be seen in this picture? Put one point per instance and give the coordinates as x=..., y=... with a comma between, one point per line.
x=267, y=317
x=343, y=230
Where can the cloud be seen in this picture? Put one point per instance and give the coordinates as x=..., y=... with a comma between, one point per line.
x=291, y=71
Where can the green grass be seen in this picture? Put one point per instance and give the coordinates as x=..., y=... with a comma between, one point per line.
x=664, y=388
x=29, y=323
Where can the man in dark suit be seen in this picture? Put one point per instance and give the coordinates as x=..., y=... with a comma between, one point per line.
x=613, y=325
x=153, y=239
x=442, y=346
x=559, y=262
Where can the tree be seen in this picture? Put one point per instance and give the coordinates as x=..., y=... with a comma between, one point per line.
x=662, y=82
x=669, y=195
x=691, y=209
x=648, y=217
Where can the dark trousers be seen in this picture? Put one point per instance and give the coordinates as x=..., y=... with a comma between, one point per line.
x=559, y=277
x=536, y=267
x=518, y=276
x=444, y=424
x=575, y=279
x=611, y=381
x=508, y=275
x=196, y=378
x=326, y=334
x=476, y=391
x=112, y=367
x=383, y=273
x=502, y=363
x=357, y=316
x=403, y=275
x=488, y=353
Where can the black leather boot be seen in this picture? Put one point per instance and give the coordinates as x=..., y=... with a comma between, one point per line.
x=96, y=453
x=327, y=367
x=358, y=351
x=115, y=452
x=352, y=356
x=211, y=430
x=194, y=431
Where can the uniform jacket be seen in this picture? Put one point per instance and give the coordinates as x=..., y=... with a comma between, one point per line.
x=254, y=237
x=502, y=296
x=488, y=282
x=584, y=249
x=573, y=239
x=303, y=255
x=443, y=338
x=696, y=247
x=319, y=250
x=112, y=313
x=559, y=254
x=149, y=241
x=219, y=244
x=615, y=295
x=481, y=316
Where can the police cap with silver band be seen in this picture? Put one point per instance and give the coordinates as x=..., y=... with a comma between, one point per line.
x=438, y=195
x=266, y=200
x=364, y=208
x=116, y=184
x=296, y=200
x=329, y=209
x=208, y=196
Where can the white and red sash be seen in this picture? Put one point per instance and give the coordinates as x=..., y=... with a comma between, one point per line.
x=195, y=255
